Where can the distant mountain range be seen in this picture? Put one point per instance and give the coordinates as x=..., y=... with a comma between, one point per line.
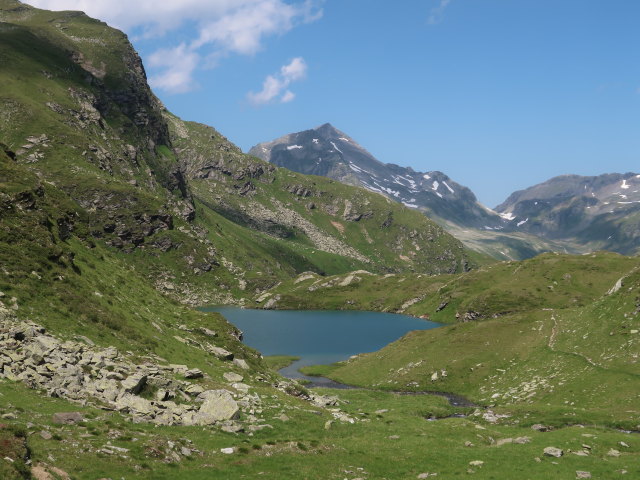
x=601, y=212
x=568, y=213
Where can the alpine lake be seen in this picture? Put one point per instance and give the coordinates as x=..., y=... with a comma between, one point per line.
x=318, y=337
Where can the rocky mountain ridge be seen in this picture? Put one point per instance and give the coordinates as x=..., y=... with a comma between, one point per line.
x=329, y=152
x=601, y=212
x=541, y=218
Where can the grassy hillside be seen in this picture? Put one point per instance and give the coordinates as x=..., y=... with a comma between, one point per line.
x=302, y=222
x=545, y=361
x=547, y=281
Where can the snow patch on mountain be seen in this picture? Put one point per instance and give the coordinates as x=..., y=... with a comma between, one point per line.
x=507, y=216
x=519, y=224
x=436, y=184
x=294, y=147
x=336, y=147
x=446, y=185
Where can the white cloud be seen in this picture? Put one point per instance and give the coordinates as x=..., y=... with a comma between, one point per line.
x=178, y=65
x=288, y=96
x=274, y=87
x=220, y=28
x=437, y=13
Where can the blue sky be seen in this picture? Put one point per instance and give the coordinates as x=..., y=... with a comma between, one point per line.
x=497, y=94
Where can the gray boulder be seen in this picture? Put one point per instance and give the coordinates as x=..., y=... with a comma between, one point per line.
x=134, y=383
x=67, y=418
x=233, y=377
x=218, y=405
x=553, y=452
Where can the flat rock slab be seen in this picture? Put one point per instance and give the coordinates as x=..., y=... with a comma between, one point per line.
x=233, y=377
x=553, y=452
x=193, y=373
x=67, y=418
x=218, y=405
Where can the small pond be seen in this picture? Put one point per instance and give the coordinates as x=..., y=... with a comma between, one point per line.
x=318, y=337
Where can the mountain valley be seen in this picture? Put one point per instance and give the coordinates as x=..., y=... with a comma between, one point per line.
x=117, y=219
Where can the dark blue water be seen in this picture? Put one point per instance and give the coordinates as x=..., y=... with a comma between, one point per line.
x=318, y=337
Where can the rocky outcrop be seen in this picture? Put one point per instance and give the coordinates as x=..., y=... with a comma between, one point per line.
x=105, y=377
x=292, y=219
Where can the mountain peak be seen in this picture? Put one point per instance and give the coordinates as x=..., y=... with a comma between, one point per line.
x=329, y=152
x=326, y=130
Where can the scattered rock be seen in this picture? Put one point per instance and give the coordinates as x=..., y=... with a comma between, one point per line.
x=193, y=373
x=207, y=332
x=134, y=383
x=582, y=474
x=613, y=453
x=476, y=463
x=238, y=362
x=46, y=435
x=194, y=390
x=538, y=427
x=503, y=441
x=67, y=418
x=492, y=417
x=553, y=452
x=218, y=405
x=221, y=353
x=232, y=427
x=228, y=450
x=233, y=377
